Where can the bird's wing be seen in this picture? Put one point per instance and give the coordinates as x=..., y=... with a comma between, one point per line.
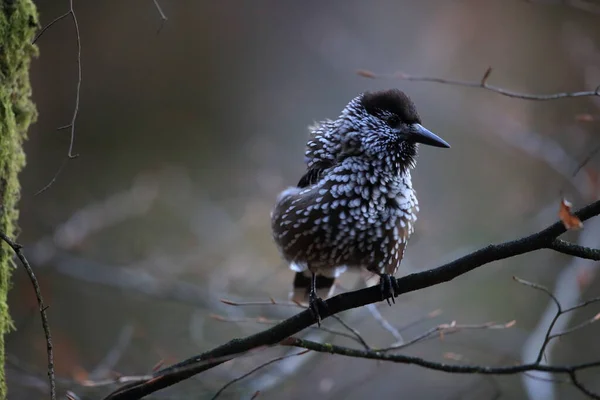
x=322, y=150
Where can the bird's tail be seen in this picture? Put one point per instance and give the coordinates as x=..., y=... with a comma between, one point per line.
x=302, y=280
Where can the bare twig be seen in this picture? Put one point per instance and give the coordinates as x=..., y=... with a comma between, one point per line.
x=17, y=248
x=582, y=304
x=446, y=329
x=267, y=321
x=450, y=368
x=573, y=249
x=354, y=334
x=45, y=28
x=559, y=312
x=56, y=174
x=256, y=369
x=576, y=327
x=261, y=303
x=540, y=288
x=78, y=91
x=482, y=83
x=71, y=125
x=163, y=17
x=581, y=387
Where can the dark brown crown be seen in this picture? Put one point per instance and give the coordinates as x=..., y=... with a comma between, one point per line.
x=393, y=101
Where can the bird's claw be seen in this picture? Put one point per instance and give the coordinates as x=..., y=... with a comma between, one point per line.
x=389, y=287
x=314, y=304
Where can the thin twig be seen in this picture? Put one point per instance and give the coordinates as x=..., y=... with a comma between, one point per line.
x=17, y=248
x=267, y=321
x=261, y=303
x=482, y=83
x=541, y=288
x=446, y=329
x=559, y=312
x=256, y=369
x=582, y=304
x=575, y=328
x=163, y=17
x=71, y=125
x=581, y=387
x=355, y=335
x=44, y=29
x=47, y=186
x=443, y=367
x=76, y=110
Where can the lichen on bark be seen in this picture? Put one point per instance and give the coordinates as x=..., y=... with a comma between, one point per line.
x=18, y=24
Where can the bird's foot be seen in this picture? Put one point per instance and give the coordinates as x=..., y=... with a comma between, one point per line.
x=389, y=287
x=314, y=304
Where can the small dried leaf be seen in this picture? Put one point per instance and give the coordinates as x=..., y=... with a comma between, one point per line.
x=596, y=317
x=366, y=74
x=569, y=220
x=510, y=324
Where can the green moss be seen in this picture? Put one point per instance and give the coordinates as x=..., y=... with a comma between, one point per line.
x=18, y=24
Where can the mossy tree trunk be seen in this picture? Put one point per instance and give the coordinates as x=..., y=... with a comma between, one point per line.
x=18, y=24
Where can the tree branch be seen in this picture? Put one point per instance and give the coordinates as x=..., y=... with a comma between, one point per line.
x=436, y=366
x=346, y=301
x=17, y=248
x=482, y=83
x=575, y=250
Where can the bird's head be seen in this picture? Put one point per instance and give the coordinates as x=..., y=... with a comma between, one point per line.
x=385, y=125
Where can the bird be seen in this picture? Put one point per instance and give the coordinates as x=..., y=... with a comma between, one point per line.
x=354, y=206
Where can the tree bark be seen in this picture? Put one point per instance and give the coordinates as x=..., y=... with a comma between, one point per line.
x=18, y=24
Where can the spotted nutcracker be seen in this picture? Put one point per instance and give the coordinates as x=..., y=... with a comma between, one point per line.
x=355, y=206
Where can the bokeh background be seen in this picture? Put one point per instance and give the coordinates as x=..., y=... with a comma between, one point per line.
x=186, y=134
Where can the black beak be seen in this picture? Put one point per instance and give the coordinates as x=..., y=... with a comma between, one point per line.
x=420, y=134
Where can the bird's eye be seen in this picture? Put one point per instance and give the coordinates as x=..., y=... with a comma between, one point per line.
x=393, y=121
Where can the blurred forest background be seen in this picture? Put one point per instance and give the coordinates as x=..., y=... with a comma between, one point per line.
x=187, y=135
